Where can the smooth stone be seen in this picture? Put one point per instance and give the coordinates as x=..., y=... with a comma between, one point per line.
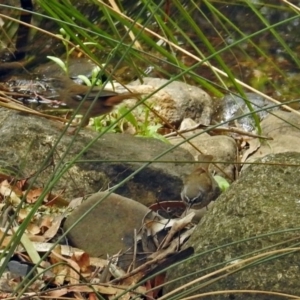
x=108, y=229
x=283, y=127
x=221, y=147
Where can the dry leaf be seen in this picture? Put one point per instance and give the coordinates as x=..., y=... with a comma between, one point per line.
x=33, y=195
x=23, y=213
x=60, y=271
x=52, y=231
x=65, y=250
x=98, y=262
x=107, y=290
x=75, y=203
x=36, y=238
x=174, y=245
x=7, y=192
x=33, y=229
x=154, y=223
x=56, y=200
x=178, y=225
x=58, y=292
x=46, y=222
x=254, y=145
x=92, y=296
x=116, y=271
x=83, y=261
x=73, y=273
x=5, y=239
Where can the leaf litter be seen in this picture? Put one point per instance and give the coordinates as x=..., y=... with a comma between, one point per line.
x=71, y=272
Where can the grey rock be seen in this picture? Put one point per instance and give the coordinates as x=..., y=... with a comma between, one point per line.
x=177, y=100
x=232, y=106
x=264, y=200
x=283, y=128
x=222, y=148
x=28, y=142
x=108, y=229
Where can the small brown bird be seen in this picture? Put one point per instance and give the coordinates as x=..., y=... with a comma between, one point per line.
x=200, y=187
x=73, y=94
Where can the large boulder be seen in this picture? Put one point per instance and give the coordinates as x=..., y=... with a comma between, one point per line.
x=90, y=161
x=258, y=214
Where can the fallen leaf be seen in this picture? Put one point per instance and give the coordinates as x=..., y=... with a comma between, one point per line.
x=75, y=203
x=98, y=262
x=33, y=229
x=254, y=145
x=116, y=271
x=73, y=270
x=5, y=239
x=33, y=195
x=52, y=231
x=46, y=222
x=83, y=261
x=107, y=290
x=23, y=213
x=178, y=225
x=61, y=272
x=10, y=196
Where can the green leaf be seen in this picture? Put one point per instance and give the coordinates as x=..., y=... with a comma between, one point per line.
x=129, y=116
x=85, y=80
x=59, y=62
x=222, y=182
